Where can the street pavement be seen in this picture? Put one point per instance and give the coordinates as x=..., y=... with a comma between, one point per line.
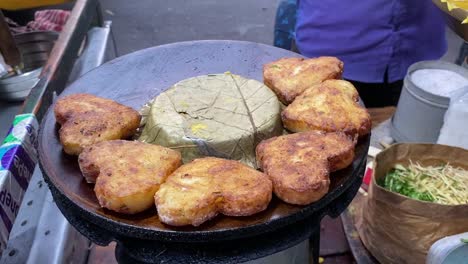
x=146, y=23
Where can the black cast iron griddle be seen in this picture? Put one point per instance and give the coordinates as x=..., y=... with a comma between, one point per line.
x=133, y=80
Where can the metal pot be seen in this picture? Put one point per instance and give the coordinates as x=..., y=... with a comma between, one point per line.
x=34, y=48
x=420, y=114
x=17, y=87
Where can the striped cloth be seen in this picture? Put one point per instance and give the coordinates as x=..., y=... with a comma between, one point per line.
x=44, y=20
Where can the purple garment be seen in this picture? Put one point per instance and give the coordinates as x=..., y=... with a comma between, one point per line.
x=371, y=36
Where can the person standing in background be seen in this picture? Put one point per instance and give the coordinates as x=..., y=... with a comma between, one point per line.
x=376, y=39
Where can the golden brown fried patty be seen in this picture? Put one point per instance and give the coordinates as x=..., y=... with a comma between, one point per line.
x=199, y=190
x=127, y=173
x=87, y=119
x=289, y=77
x=330, y=106
x=299, y=164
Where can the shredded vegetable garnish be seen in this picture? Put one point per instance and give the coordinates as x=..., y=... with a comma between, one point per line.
x=443, y=184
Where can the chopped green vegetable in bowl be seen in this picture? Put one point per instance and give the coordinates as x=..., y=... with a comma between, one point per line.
x=442, y=184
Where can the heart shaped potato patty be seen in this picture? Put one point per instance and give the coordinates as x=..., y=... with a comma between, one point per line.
x=289, y=77
x=330, y=106
x=87, y=119
x=199, y=190
x=299, y=164
x=127, y=173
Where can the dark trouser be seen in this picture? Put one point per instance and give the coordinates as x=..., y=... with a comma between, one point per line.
x=379, y=94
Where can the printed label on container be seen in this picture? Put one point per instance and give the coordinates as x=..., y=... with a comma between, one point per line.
x=11, y=194
x=24, y=132
x=18, y=157
x=14, y=158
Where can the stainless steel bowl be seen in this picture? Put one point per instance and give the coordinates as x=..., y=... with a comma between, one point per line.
x=35, y=48
x=17, y=87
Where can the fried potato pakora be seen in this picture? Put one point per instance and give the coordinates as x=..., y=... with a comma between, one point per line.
x=127, y=173
x=87, y=119
x=299, y=164
x=199, y=190
x=289, y=77
x=330, y=106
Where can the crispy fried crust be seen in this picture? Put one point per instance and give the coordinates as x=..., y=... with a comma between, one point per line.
x=87, y=119
x=199, y=190
x=299, y=164
x=127, y=173
x=330, y=106
x=289, y=77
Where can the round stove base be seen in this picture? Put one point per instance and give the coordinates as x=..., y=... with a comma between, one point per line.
x=253, y=250
x=297, y=254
